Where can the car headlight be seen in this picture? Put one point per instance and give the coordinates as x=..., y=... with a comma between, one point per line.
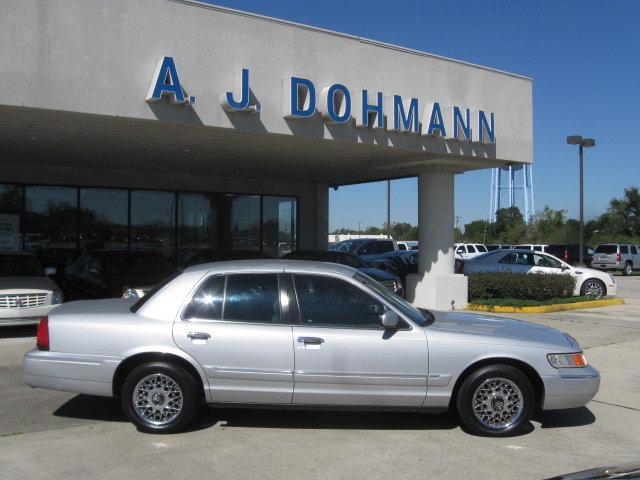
x=128, y=292
x=567, y=360
x=56, y=298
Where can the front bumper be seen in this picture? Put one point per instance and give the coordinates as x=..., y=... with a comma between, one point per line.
x=570, y=388
x=88, y=374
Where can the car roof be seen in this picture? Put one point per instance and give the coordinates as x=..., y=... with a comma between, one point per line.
x=274, y=265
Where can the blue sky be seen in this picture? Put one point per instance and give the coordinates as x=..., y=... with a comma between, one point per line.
x=583, y=56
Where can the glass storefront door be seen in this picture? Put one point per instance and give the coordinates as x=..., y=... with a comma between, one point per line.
x=278, y=226
x=153, y=221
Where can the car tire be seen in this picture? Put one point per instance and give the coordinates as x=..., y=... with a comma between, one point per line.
x=592, y=287
x=159, y=397
x=628, y=269
x=496, y=400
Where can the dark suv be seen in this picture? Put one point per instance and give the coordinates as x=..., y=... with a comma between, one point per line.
x=570, y=253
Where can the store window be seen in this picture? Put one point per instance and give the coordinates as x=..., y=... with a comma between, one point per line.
x=103, y=219
x=278, y=226
x=50, y=225
x=242, y=234
x=153, y=221
x=10, y=208
x=197, y=232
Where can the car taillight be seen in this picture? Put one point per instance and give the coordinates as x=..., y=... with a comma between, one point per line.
x=42, y=335
x=618, y=257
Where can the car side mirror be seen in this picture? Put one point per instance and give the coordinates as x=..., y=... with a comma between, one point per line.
x=390, y=319
x=50, y=271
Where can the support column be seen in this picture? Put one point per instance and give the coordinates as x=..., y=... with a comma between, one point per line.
x=435, y=285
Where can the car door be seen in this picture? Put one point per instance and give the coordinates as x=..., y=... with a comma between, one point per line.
x=235, y=326
x=343, y=356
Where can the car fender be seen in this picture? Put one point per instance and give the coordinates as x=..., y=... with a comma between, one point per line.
x=164, y=349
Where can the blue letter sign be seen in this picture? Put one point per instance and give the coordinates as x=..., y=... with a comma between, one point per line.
x=166, y=82
x=241, y=84
x=299, y=98
x=487, y=129
x=403, y=121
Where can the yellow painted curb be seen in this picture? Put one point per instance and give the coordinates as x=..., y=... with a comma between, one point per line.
x=558, y=307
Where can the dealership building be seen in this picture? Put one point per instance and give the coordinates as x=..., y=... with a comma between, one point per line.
x=206, y=133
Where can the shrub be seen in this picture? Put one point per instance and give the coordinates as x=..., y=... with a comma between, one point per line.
x=529, y=286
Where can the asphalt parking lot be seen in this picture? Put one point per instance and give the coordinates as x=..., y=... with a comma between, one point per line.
x=45, y=434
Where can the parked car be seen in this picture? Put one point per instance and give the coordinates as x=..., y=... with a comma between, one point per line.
x=407, y=245
x=469, y=250
x=296, y=334
x=532, y=246
x=112, y=273
x=26, y=291
x=365, y=247
x=589, y=282
x=384, y=276
x=616, y=256
x=498, y=246
x=570, y=253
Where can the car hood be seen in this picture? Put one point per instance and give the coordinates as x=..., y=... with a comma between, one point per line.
x=27, y=283
x=475, y=328
x=378, y=274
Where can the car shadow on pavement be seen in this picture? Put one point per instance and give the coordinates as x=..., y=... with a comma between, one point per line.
x=87, y=407
x=19, y=331
x=323, y=419
x=575, y=417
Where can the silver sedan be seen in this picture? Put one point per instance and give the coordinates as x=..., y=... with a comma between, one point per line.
x=299, y=334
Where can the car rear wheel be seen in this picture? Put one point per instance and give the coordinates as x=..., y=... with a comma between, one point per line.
x=159, y=397
x=628, y=268
x=593, y=287
x=496, y=400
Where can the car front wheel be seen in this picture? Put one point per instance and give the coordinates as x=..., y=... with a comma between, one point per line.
x=628, y=268
x=159, y=397
x=593, y=288
x=496, y=400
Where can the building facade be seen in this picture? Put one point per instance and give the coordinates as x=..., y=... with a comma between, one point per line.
x=205, y=133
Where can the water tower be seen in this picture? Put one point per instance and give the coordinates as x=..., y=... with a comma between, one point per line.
x=512, y=187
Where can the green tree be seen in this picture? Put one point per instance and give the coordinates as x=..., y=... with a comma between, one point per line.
x=478, y=231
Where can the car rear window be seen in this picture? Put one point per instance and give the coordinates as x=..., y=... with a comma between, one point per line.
x=606, y=249
x=624, y=249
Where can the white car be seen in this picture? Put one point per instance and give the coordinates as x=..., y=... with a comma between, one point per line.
x=469, y=250
x=533, y=246
x=407, y=245
x=26, y=293
x=589, y=282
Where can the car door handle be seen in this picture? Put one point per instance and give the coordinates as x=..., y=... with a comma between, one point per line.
x=198, y=336
x=311, y=340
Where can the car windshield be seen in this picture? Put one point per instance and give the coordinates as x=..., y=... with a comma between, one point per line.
x=19, y=266
x=128, y=264
x=606, y=249
x=405, y=307
x=344, y=246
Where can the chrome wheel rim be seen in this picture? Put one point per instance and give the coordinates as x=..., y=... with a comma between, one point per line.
x=157, y=399
x=593, y=289
x=498, y=403
x=628, y=269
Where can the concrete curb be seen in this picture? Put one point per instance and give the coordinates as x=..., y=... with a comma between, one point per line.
x=558, y=307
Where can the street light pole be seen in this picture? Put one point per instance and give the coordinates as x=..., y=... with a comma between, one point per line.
x=388, y=208
x=582, y=143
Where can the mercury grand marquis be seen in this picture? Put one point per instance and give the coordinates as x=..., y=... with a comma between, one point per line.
x=299, y=334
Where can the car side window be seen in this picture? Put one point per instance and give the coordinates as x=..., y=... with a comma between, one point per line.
x=385, y=246
x=333, y=302
x=624, y=249
x=509, y=258
x=544, y=261
x=471, y=249
x=461, y=249
x=95, y=265
x=207, y=303
x=366, y=249
x=402, y=246
x=634, y=250
x=252, y=298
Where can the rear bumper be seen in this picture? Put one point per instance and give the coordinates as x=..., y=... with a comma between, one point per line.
x=88, y=374
x=23, y=316
x=570, y=388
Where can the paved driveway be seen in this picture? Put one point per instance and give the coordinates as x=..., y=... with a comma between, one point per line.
x=52, y=435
